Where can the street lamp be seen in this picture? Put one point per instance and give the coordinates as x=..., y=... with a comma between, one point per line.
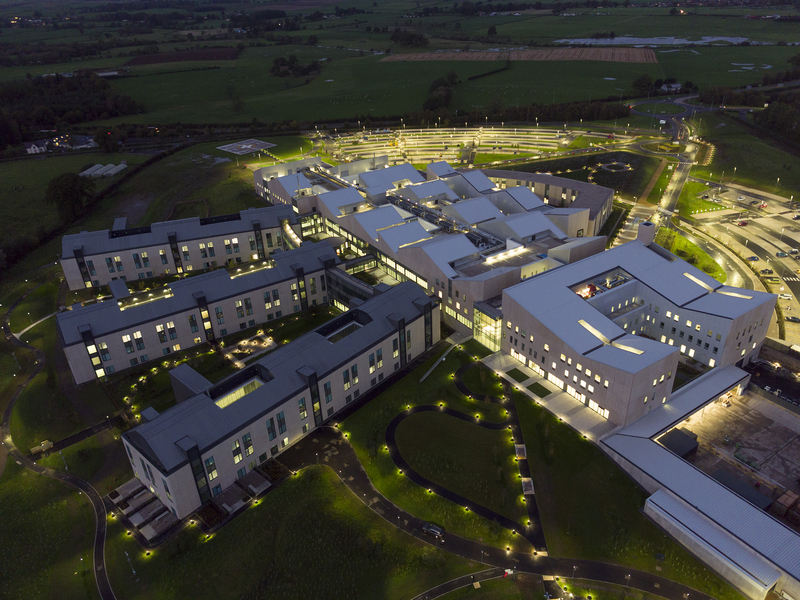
x=734, y=175
x=573, y=571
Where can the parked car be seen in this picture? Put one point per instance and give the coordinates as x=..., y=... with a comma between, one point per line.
x=781, y=254
x=740, y=198
x=793, y=319
x=705, y=196
x=794, y=251
x=762, y=205
x=795, y=217
x=742, y=223
x=433, y=530
x=753, y=258
x=754, y=202
x=768, y=271
x=784, y=296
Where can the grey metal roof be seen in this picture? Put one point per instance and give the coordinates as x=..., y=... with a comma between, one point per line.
x=101, y=242
x=205, y=423
x=747, y=524
x=106, y=317
x=714, y=538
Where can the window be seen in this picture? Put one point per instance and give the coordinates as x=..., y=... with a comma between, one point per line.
x=211, y=468
x=380, y=358
x=284, y=442
x=134, y=362
x=126, y=339
x=228, y=247
x=235, y=245
x=136, y=260
x=104, y=353
x=162, y=335
x=346, y=379
x=395, y=348
x=354, y=371
x=203, y=253
x=248, y=444
x=328, y=395
x=193, y=323
x=118, y=263
x=273, y=450
x=241, y=472
x=301, y=405
x=271, y=429
x=372, y=363
x=239, y=309
x=90, y=266
x=276, y=300
x=163, y=255
x=248, y=306
x=252, y=242
x=236, y=449
x=281, y=423
x=171, y=330
x=211, y=251
x=186, y=256
x=110, y=265
x=220, y=316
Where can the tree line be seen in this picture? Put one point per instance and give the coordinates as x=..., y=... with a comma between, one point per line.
x=28, y=106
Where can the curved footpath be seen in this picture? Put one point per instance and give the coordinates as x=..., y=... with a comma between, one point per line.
x=98, y=555
x=328, y=446
x=533, y=532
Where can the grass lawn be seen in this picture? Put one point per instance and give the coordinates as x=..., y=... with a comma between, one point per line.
x=582, y=141
x=522, y=586
x=661, y=184
x=488, y=157
x=614, y=221
x=39, y=303
x=691, y=253
x=517, y=375
x=659, y=108
x=538, y=389
x=690, y=201
x=23, y=184
x=476, y=349
x=100, y=460
x=47, y=527
x=469, y=460
x=367, y=433
x=591, y=509
x=759, y=160
x=356, y=553
x=482, y=380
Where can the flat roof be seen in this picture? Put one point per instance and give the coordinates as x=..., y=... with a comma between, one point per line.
x=202, y=420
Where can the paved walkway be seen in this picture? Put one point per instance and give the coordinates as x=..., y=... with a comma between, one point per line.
x=98, y=556
x=32, y=325
x=329, y=447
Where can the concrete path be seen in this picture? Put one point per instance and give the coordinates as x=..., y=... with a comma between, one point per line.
x=32, y=325
x=98, y=556
x=329, y=447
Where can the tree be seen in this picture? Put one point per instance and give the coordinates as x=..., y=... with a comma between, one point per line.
x=492, y=30
x=71, y=194
x=641, y=85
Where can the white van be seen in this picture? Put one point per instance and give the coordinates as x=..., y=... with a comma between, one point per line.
x=785, y=296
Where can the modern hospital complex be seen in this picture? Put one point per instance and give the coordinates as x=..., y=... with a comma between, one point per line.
x=513, y=259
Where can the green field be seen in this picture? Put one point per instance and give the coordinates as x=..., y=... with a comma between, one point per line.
x=47, y=529
x=606, y=524
x=357, y=553
x=367, y=433
x=23, y=184
x=659, y=108
x=759, y=159
x=484, y=471
x=690, y=252
x=691, y=202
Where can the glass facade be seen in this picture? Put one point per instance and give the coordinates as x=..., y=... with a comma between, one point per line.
x=487, y=329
